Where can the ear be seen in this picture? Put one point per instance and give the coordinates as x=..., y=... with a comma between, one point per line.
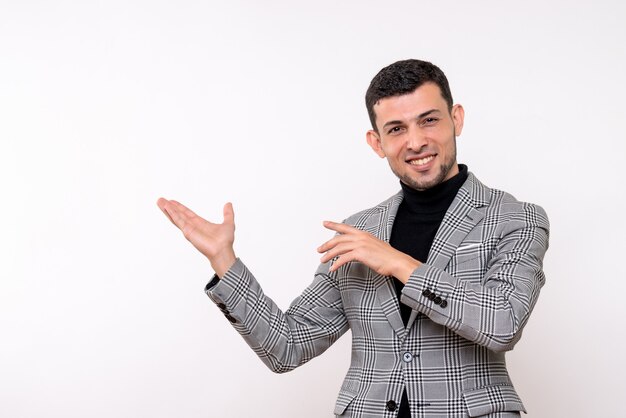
x=373, y=139
x=458, y=115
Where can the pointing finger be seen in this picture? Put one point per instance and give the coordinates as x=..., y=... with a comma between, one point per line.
x=339, y=227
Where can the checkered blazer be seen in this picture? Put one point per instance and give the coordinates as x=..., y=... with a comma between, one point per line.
x=470, y=302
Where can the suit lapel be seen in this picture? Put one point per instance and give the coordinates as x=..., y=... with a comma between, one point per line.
x=462, y=216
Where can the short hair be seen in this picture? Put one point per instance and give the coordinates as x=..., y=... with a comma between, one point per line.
x=404, y=77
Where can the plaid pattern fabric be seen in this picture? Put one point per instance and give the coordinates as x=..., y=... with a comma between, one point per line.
x=470, y=303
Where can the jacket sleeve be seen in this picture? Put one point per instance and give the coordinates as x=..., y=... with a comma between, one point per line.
x=490, y=310
x=282, y=340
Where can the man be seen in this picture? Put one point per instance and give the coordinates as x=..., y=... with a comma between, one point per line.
x=436, y=283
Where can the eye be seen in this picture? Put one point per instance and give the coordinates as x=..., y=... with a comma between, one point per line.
x=429, y=121
x=394, y=130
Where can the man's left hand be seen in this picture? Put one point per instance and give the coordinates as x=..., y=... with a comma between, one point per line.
x=352, y=244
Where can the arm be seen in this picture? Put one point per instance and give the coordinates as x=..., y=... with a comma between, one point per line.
x=491, y=311
x=492, y=308
x=283, y=341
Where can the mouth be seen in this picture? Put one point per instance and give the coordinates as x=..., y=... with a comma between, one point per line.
x=419, y=162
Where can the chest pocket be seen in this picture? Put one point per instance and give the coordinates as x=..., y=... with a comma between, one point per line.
x=470, y=261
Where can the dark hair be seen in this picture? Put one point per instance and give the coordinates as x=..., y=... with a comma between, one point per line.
x=404, y=77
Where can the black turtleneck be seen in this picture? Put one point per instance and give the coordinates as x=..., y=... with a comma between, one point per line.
x=414, y=229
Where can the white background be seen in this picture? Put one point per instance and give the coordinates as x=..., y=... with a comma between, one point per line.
x=107, y=105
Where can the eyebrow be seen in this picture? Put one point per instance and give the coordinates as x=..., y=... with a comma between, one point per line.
x=420, y=116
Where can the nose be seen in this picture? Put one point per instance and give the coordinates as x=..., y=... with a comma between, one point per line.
x=416, y=139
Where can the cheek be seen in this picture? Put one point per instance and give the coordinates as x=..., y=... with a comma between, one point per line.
x=395, y=148
x=448, y=143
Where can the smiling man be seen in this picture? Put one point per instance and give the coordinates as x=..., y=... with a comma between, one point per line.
x=435, y=283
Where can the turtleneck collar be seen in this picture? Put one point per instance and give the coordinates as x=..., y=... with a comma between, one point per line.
x=436, y=199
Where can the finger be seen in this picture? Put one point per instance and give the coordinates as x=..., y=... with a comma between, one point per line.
x=161, y=201
x=161, y=204
x=169, y=211
x=343, y=259
x=172, y=212
x=337, y=251
x=182, y=209
x=338, y=227
x=229, y=214
x=333, y=242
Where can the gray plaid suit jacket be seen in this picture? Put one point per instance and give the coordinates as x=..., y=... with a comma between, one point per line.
x=470, y=302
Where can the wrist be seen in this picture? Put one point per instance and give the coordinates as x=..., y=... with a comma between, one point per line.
x=405, y=268
x=222, y=263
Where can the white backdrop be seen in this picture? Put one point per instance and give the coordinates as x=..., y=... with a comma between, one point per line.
x=106, y=106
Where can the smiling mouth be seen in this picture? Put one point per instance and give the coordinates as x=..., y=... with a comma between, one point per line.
x=422, y=161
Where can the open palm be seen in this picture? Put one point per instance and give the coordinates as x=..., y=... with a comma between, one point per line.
x=213, y=240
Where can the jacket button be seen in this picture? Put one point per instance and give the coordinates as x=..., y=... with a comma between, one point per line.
x=221, y=306
x=230, y=318
x=407, y=357
x=426, y=293
x=432, y=296
x=437, y=300
x=443, y=303
x=391, y=406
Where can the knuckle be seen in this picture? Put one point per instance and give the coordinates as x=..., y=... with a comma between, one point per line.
x=188, y=231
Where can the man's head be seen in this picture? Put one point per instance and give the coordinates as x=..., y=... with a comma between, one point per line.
x=414, y=122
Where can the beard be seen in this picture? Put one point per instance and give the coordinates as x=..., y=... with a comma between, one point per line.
x=425, y=184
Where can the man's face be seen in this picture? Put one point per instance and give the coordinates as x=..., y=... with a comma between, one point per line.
x=417, y=135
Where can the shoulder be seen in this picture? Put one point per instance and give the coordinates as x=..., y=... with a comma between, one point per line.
x=503, y=206
x=376, y=213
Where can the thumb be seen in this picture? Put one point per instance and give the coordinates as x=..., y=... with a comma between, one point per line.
x=229, y=214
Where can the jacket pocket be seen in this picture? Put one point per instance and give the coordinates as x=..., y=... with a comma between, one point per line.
x=344, y=399
x=493, y=398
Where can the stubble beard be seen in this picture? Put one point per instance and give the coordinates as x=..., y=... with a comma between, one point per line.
x=444, y=170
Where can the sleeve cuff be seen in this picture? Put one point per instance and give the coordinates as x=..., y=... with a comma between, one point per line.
x=211, y=283
x=234, y=273
x=421, y=291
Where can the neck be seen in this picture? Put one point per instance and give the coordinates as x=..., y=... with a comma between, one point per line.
x=437, y=198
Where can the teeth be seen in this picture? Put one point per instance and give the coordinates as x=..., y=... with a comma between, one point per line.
x=421, y=161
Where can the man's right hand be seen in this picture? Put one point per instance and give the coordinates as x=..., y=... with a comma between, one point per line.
x=215, y=241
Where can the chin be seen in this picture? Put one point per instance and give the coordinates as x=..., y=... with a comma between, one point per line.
x=424, y=182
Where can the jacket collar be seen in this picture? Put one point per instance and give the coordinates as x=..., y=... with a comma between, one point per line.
x=471, y=196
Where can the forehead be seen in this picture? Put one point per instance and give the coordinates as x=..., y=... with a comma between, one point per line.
x=424, y=98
